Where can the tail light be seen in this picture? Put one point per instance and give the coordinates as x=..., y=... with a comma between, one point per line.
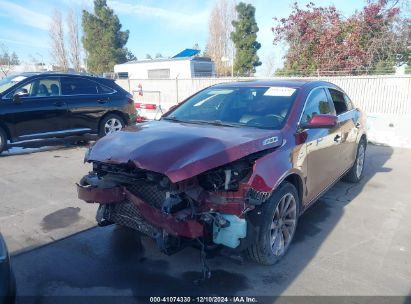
x=130, y=99
x=147, y=106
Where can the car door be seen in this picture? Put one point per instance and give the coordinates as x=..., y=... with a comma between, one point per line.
x=85, y=103
x=40, y=111
x=348, y=119
x=321, y=145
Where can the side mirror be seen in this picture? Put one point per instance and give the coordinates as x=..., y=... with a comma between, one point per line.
x=321, y=121
x=19, y=94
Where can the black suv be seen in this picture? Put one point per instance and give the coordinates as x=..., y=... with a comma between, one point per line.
x=45, y=105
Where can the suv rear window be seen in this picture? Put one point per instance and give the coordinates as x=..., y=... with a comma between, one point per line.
x=78, y=86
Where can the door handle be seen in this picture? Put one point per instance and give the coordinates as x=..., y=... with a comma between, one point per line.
x=102, y=100
x=337, y=138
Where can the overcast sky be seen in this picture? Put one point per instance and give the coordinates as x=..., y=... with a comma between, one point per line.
x=159, y=26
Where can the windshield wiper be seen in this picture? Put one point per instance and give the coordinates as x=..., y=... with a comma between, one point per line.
x=213, y=122
x=172, y=118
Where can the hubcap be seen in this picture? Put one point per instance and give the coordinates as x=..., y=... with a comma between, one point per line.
x=283, y=225
x=112, y=125
x=360, y=160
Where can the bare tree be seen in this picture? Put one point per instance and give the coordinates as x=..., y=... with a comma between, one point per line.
x=220, y=47
x=7, y=61
x=56, y=33
x=74, y=41
x=270, y=65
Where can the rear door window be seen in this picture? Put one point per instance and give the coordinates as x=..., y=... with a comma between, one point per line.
x=105, y=90
x=348, y=102
x=79, y=86
x=338, y=99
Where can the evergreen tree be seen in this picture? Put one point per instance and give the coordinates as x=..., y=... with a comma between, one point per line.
x=130, y=56
x=103, y=39
x=245, y=40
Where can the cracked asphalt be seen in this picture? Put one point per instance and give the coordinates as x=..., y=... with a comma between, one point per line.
x=355, y=241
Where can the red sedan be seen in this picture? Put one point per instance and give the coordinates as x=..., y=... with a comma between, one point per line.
x=234, y=165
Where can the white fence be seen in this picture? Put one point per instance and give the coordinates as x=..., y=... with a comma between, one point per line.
x=373, y=94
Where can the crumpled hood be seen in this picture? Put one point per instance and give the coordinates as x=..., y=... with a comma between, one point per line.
x=181, y=150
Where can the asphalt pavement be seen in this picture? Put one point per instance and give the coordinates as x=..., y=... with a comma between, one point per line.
x=355, y=241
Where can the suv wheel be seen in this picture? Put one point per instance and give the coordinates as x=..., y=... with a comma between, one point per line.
x=3, y=140
x=279, y=216
x=355, y=174
x=110, y=124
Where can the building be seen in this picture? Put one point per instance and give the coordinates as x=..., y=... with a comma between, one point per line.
x=185, y=65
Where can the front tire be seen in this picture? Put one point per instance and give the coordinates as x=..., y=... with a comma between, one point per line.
x=278, y=222
x=110, y=124
x=3, y=140
x=356, y=172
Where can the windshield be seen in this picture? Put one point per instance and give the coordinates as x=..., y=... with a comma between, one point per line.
x=260, y=107
x=10, y=81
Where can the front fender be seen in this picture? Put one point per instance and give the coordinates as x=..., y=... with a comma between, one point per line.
x=272, y=169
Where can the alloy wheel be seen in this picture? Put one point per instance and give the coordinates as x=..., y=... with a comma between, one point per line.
x=112, y=125
x=284, y=224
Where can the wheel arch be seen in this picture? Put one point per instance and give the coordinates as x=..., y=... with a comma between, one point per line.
x=4, y=127
x=297, y=181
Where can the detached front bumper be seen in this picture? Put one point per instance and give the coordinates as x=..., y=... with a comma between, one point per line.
x=119, y=198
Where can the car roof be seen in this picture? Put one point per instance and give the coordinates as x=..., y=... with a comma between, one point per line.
x=292, y=83
x=32, y=74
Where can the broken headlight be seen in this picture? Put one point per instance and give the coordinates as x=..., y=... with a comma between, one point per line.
x=227, y=177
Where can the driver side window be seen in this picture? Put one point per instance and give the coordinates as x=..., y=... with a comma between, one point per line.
x=317, y=103
x=41, y=88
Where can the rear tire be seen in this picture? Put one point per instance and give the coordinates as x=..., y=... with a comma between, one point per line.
x=277, y=225
x=109, y=124
x=3, y=140
x=356, y=172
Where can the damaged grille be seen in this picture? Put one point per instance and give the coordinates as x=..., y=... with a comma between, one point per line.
x=148, y=192
x=126, y=214
x=257, y=196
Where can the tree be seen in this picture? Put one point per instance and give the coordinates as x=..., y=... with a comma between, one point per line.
x=74, y=41
x=103, y=40
x=7, y=61
x=158, y=55
x=219, y=46
x=130, y=56
x=245, y=40
x=320, y=41
x=148, y=56
x=56, y=33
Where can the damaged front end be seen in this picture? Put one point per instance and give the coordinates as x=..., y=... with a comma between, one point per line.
x=211, y=207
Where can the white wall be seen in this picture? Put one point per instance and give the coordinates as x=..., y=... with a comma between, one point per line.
x=178, y=68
